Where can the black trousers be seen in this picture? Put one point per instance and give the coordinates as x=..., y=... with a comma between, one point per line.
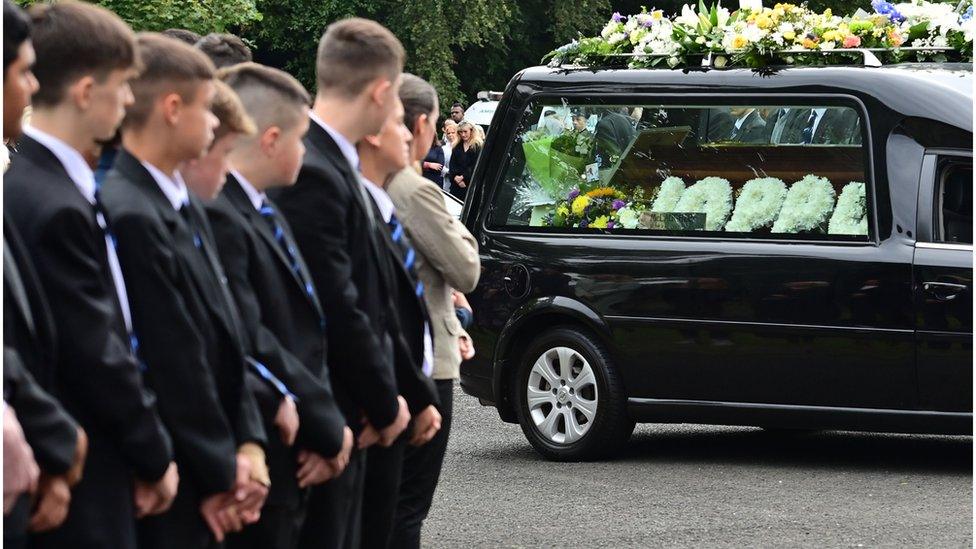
x=279, y=527
x=15, y=524
x=421, y=471
x=335, y=509
x=383, y=470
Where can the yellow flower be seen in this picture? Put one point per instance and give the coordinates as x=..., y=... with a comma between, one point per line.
x=833, y=36
x=562, y=211
x=657, y=15
x=828, y=13
x=809, y=44
x=602, y=192
x=789, y=35
x=739, y=42
x=600, y=222
x=764, y=22
x=579, y=204
x=778, y=11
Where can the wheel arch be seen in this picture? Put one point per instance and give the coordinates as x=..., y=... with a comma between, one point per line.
x=527, y=322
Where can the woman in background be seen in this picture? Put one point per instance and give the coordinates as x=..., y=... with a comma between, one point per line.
x=463, y=158
x=450, y=140
x=434, y=164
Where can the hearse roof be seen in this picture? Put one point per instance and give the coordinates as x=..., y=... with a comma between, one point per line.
x=938, y=91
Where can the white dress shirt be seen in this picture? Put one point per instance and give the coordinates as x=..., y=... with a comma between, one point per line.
x=385, y=205
x=816, y=121
x=347, y=148
x=84, y=179
x=173, y=187
x=255, y=196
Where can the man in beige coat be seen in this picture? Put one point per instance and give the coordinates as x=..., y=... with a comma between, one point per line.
x=447, y=263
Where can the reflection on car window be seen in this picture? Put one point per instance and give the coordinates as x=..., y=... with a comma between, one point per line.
x=763, y=170
x=956, y=204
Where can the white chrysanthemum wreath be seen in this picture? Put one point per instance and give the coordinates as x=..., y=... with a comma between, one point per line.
x=851, y=215
x=711, y=196
x=808, y=206
x=758, y=204
x=668, y=195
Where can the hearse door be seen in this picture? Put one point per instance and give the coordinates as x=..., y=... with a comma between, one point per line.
x=943, y=283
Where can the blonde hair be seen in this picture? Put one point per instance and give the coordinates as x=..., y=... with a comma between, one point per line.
x=477, y=134
x=229, y=110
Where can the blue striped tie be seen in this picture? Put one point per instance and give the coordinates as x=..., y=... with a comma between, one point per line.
x=268, y=213
x=107, y=229
x=409, y=255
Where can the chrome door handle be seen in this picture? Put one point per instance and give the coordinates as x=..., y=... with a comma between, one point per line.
x=944, y=291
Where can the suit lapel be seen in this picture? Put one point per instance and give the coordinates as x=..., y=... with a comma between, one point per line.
x=239, y=199
x=193, y=259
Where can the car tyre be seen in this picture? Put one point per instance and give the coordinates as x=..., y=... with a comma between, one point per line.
x=563, y=424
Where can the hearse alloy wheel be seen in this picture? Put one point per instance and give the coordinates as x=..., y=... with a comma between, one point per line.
x=572, y=405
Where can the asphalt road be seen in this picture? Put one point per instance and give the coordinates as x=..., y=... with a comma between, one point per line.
x=703, y=486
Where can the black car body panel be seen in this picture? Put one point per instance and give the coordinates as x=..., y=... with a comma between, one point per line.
x=796, y=333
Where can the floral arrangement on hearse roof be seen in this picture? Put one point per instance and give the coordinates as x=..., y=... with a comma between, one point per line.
x=786, y=34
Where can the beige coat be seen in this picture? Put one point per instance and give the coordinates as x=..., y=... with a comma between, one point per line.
x=447, y=257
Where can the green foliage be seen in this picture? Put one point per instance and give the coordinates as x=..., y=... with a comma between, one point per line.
x=460, y=46
x=200, y=16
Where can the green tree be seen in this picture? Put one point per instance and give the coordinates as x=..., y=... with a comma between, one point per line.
x=200, y=16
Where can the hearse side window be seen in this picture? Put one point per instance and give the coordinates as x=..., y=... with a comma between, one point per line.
x=757, y=171
x=955, y=203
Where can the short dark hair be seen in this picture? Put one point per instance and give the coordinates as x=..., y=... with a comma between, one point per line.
x=16, y=31
x=266, y=93
x=353, y=52
x=224, y=49
x=184, y=35
x=168, y=66
x=458, y=105
x=73, y=39
x=547, y=112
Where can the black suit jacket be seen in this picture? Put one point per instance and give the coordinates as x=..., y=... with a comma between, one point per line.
x=406, y=326
x=193, y=359
x=286, y=327
x=29, y=337
x=752, y=130
x=96, y=376
x=327, y=211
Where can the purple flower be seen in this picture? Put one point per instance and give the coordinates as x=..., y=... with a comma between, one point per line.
x=648, y=23
x=968, y=14
x=584, y=223
x=617, y=204
x=611, y=224
x=573, y=194
x=617, y=18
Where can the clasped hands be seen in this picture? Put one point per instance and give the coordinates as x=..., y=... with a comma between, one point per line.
x=425, y=426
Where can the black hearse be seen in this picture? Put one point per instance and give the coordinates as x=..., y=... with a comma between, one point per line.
x=786, y=248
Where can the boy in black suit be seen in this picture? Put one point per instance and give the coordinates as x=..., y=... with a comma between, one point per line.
x=85, y=58
x=58, y=443
x=358, y=69
x=190, y=342
x=277, y=298
x=382, y=156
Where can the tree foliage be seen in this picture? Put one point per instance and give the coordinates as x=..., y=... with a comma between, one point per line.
x=200, y=16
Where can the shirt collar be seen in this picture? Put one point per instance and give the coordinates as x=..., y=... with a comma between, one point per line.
x=174, y=188
x=383, y=201
x=78, y=170
x=348, y=149
x=255, y=196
